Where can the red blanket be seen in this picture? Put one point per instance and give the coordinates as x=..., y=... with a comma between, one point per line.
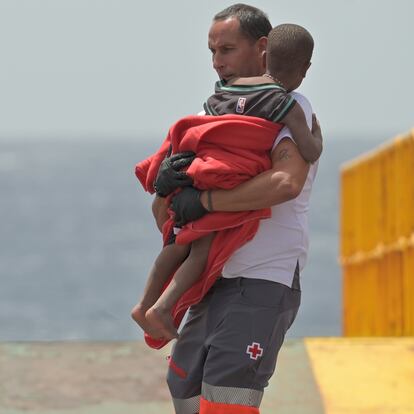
x=230, y=149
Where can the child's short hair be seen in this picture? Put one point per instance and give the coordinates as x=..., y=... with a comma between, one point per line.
x=289, y=47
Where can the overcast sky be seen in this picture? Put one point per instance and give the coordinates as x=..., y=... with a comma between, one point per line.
x=131, y=68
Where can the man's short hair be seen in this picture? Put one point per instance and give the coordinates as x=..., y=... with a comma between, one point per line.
x=289, y=47
x=254, y=23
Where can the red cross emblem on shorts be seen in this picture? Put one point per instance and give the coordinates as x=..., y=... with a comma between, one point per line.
x=254, y=350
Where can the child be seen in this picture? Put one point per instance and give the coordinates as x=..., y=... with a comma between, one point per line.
x=264, y=97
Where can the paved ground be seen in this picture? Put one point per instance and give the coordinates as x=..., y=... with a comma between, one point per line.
x=316, y=376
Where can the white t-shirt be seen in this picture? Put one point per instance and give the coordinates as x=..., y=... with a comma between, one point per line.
x=281, y=240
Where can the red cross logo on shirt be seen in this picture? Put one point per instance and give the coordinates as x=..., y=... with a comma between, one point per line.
x=254, y=350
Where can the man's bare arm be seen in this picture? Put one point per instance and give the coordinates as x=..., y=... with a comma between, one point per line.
x=159, y=211
x=283, y=182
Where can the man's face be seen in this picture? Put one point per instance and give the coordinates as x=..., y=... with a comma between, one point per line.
x=234, y=55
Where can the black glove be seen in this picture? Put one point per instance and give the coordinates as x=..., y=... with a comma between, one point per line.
x=170, y=177
x=187, y=206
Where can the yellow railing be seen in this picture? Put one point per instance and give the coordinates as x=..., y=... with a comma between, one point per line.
x=377, y=241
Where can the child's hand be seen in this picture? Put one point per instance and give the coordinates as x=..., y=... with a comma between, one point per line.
x=317, y=133
x=316, y=127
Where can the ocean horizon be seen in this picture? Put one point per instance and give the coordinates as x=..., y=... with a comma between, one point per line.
x=77, y=239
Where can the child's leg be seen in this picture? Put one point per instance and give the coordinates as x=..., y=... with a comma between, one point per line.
x=170, y=257
x=159, y=315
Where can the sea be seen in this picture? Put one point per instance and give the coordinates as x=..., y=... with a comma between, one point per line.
x=77, y=239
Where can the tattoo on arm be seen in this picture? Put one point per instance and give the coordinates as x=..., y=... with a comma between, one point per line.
x=283, y=154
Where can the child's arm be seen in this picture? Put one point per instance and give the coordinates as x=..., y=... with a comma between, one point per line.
x=309, y=143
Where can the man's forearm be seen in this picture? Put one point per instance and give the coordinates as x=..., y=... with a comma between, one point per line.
x=159, y=210
x=283, y=182
x=265, y=190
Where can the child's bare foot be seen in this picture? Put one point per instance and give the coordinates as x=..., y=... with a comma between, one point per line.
x=161, y=321
x=138, y=315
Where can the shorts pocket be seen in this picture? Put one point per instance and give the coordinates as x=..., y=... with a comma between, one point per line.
x=268, y=294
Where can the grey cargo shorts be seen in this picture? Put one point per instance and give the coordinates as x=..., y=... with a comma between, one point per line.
x=227, y=350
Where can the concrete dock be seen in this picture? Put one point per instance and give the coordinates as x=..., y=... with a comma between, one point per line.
x=314, y=376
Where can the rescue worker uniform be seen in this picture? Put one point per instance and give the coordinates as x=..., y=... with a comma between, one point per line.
x=227, y=349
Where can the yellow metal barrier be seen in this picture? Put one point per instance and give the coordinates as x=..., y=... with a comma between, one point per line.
x=377, y=241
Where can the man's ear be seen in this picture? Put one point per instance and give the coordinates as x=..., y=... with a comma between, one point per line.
x=305, y=68
x=262, y=45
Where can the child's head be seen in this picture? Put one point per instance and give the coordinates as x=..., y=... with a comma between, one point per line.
x=289, y=53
